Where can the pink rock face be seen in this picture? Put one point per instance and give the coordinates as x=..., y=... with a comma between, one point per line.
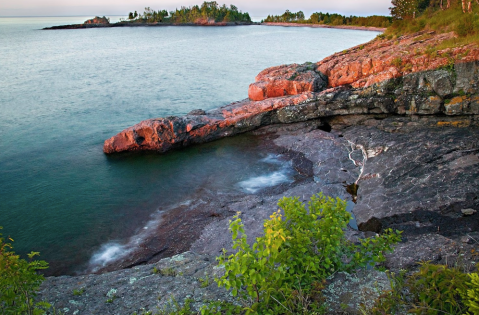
x=286, y=80
x=164, y=134
x=380, y=60
x=160, y=134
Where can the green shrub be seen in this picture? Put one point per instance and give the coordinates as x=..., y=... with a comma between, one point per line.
x=433, y=289
x=19, y=282
x=471, y=294
x=392, y=301
x=397, y=62
x=436, y=288
x=465, y=26
x=297, y=252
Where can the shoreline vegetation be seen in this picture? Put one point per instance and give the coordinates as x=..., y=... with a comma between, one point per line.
x=344, y=27
x=320, y=19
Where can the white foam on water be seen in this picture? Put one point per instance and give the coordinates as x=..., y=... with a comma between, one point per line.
x=114, y=251
x=255, y=184
x=272, y=159
x=283, y=175
x=108, y=253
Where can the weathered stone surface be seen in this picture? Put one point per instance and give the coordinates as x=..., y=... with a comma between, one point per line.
x=467, y=77
x=139, y=289
x=197, y=112
x=420, y=167
x=419, y=176
x=350, y=292
x=380, y=60
x=435, y=248
x=440, y=81
x=286, y=80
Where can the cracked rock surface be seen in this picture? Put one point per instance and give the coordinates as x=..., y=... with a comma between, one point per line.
x=413, y=175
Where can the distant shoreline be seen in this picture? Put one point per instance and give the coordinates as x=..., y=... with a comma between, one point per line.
x=130, y=24
x=348, y=27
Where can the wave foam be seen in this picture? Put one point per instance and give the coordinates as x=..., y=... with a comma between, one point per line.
x=255, y=184
x=108, y=253
x=114, y=251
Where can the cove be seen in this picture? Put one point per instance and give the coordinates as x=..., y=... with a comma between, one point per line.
x=63, y=92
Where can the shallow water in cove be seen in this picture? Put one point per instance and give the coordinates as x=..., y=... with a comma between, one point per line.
x=62, y=93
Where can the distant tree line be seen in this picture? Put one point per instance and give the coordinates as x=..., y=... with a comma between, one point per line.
x=330, y=19
x=148, y=15
x=411, y=9
x=207, y=11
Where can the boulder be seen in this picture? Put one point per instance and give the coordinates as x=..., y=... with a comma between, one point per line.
x=441, y=82
x=98, y=20
x=466, y=77
x=286, y=80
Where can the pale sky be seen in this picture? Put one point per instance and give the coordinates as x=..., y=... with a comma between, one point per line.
x=256, y=8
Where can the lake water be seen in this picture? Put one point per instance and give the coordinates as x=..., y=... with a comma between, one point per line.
x=63, y=92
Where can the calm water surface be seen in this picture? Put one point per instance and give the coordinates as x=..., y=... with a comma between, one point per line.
x=62, y=93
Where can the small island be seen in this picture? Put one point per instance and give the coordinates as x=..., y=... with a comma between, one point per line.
x=208, y=14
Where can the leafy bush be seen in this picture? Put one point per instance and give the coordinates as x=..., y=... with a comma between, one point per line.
x=397, y=62
x=466, y=26
x=471, y=295
x=392, y=301
x=295, y=255
x=433, y=289
x=19, y=282
x=436, y=288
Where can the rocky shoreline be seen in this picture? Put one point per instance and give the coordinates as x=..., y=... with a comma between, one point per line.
x=405, y=132
x=401, y=185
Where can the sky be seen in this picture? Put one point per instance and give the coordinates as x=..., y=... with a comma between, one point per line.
x=256, y=8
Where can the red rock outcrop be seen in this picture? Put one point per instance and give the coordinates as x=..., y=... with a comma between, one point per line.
x=383, y=59
x=286, y=80
x=164, y=134
x=402, y=76
x=362, y=66
x=97, y=20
